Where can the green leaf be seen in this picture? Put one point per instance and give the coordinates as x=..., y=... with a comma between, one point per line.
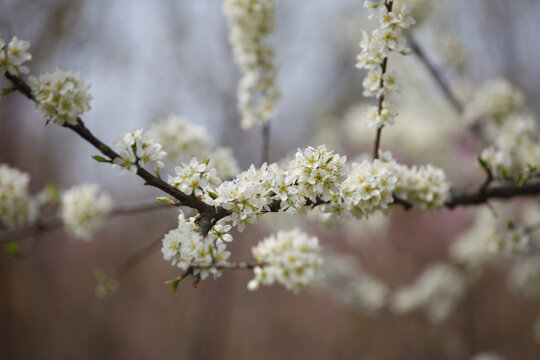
x=329, y=159
x=482, y=162
x=213, y=195
x=53, y=191
x=532, y=168
x=174, y=284
x=100, y=159
x=103, y=148
x=511, y=225
x=165, y=200
x=522, y=178
x=11, y=248
x=6, y=92
x=206, y=161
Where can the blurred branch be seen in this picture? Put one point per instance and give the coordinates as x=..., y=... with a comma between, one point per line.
x=45, y=225
x=439, y=79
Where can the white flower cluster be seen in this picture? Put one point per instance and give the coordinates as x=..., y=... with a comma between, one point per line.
x=13, y=58
x=425, y=186
x=514, y=241
x=61, y=96
x=16, y=206
x=515, y=146
x=348, y=283
x=185, y=247
x=497, y=99
x=375, y=49
x=471, y=248
x=318, y=172
x=251, y=22
x=369, y=187
x=291, y=258
x=487, y=356
x=135, y=147
x=84, y=209
x=525, y=278
x=436, y=292
x=195, y=178
x=182, y=141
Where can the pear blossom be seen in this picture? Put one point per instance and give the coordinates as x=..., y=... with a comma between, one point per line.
x=135, y=149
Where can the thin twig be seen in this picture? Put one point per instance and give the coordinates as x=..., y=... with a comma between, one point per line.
x=445, y=87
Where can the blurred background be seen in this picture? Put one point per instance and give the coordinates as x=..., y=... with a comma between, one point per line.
x=152, y=58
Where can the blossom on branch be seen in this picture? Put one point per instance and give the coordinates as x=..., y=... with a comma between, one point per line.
x=13, y=58
x=134, y=149
x=291, y=258
x=251, y=22
x=61, y=96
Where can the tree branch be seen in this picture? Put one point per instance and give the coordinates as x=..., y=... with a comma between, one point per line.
x=443, y=85
x=208, y=214
x=45, y=225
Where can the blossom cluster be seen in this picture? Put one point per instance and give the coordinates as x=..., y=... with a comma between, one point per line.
x=16, y=206
x=134, y=148
x=497, y=98
x=291, y=258
x=251, y=22
x=14, y=56
x=436, y=292
x=84, y=210
x=185, y=248
x=513, y=133
x=61, y=96
x=195, y=178
x=525, y=278
x=375, y=49
x=183, y=140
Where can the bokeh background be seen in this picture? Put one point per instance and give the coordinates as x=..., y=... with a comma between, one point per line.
x=152, y=58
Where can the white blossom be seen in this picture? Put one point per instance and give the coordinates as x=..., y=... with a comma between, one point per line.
x=291, y=258
x=497, y=161
x=194, y=178
x=514, y=241
x=16, y=206
x=251, y=22
x=496, y=98
x=181, y=139
x=134, y=149
x=13, y=58
x=61, y=96
x=184, y=247
x=369, y=187
x=84, y=209
x=524, y=278
x=318, y=172
x=424, y=186
x=435, y=292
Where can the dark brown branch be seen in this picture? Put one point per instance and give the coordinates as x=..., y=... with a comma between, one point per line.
x=460, y=198
x=208, y=214
x=384, y=65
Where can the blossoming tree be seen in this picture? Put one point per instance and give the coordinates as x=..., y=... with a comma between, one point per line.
x=214, y=196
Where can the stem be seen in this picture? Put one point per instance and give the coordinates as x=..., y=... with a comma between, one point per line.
x=384, y=65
